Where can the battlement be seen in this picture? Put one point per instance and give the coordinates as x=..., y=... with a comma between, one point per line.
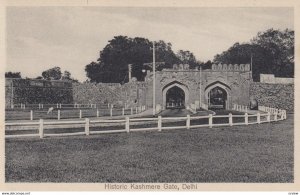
x=231, y=67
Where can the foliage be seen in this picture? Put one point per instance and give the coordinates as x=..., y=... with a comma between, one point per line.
x=272, y=52
x=52, y=74
x=280, y=45
x=13, y=75
x=187, y=57
x=67, y=77
x=112, y=66
x=206, y=65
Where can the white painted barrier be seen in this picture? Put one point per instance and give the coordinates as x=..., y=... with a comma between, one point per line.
x=86, y=123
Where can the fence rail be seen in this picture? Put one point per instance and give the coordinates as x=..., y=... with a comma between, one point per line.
x=61, y=113
x=68, y=106
x=138, y=124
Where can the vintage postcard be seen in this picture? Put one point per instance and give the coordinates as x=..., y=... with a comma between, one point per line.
x=143, y=96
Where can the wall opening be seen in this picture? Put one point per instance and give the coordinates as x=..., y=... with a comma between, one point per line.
x=217, y=98
x=175, y=98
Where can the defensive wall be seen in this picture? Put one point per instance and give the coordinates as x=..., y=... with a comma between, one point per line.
x=274, y=95
x=35, y=91
x=234, y=80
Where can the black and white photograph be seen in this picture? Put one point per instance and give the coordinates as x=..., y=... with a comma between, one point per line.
x=149, y=97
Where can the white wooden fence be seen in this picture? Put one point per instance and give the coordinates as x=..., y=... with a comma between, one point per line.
x=274, y=111
x=112, y=110
x=61, y=106
x=127, y=122
x=240, y=108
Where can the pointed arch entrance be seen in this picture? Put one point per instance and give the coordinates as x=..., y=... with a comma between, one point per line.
x=217, y=98
x=175, y=98
x=175, y=95
x=217, y=95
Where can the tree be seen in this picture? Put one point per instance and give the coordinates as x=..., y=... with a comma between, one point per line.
x=67, y=77
x=13, y=75
x=280, y=45
x=112, y=65
x=94, y=72
x=52, y=74
x=206, y=65
x=187, y=57
x=272, y=53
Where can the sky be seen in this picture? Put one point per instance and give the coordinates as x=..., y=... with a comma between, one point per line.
x=39, y=38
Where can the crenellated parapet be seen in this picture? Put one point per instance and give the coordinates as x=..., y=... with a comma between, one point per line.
x=231, y=67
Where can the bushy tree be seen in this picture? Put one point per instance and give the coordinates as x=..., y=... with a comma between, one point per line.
x=13, y=75
x=280, y=46
x=187, y=57
x=52, y=74
x=67, y=77
x=112, y=65
x=272, y=52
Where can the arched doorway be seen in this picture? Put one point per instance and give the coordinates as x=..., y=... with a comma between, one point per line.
x=175, y=98
x=217, y=98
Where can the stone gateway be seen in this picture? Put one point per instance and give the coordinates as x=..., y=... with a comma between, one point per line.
x=182, y=87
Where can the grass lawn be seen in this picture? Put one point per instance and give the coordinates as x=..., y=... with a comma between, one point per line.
x=254, y=153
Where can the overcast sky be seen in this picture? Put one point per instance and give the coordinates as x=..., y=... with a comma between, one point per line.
x=39, y=38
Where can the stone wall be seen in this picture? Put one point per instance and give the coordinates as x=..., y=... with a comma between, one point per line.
x=100, y=93
x=274, y=95
x=130, y=94
x=270, y=78
x=34, y=91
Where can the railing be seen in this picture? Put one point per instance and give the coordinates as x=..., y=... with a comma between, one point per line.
x=274, y=111
x=240, y=108
x=59, y=113
x=135, y=124
x=204, y=106
x=65, y=106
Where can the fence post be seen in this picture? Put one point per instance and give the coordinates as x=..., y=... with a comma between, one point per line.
x=41, y=128
x=188, y=121
x=284, y=114
x=230, y=119
x=58, y=114
x=269, y=117
x=246, y=118
x=57, y=105
x=80, y=114
x=281, y=114
x=97, y=113
x=275, y=115
x=159, y=123
x=31, y=115
x=136, y=110
x=24, y=106
x=111, y=111
x=87, y=126
x=127, y=124
x=131, y=111
x=258, y=118
x=39, y=106
x=123, y=112
x=210, y=120
x=108, y=105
